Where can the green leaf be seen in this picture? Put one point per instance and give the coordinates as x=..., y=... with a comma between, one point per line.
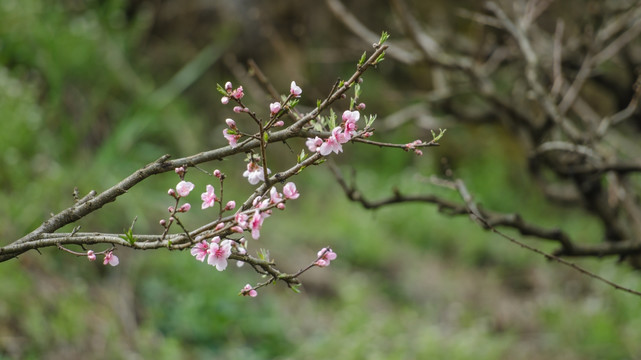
x=302, y=156
x=295, y=288
x=380, y=58
x=332, y=119
x=265, y=136
x=384, y=37
x=370, y=121
x=221, y=90
x=357, y=90
x=363, y=58
x=318, y=103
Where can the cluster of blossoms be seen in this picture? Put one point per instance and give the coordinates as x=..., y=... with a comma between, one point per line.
x=231, y=133
x=110, y=258
x=217, y=252
x=339, y=136
x=325, y=256
x=236, y=94
x=412, y=146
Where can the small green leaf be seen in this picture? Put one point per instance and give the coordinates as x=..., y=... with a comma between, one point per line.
x=357, y=90
x=221, y=90
x=302, y=156
x=370, y=121
x=318, y=103
x=265, y=136
x=438, y=137
x=380, y=58
x=332, y=119
x=363, y=58
x=293, y=103
x=295, y=288
x=341, y=83
x=384, y=37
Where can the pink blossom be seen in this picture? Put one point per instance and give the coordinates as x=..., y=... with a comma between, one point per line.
x=274, y=108
x=256, y=223
x=290, y=191
x=185, y=207
x=248, y=290
x=184, y=188
x=241, y=219
x=208, y=197
x=274, y=196
x=332, y=144
x=230, y=205
x=110, y=259
x=325, y=256
x=224, y=100
x=351, y=116
x=218, y=254
x=238, y=93
x=91, y=255
x=418, y=152
x=254, y=173
x=231, y=123
x=200, y=250
x=314, y=144
x=295, y=90
x=232, y=138
x=216, y=240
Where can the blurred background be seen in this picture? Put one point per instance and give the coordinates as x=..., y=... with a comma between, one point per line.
x=90, y=91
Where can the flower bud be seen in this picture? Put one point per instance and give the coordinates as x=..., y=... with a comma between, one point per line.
x=228, y=86
x=219, y=226
x=279, y=123
x=217, y=173
x=230, y=205
x=91, y=255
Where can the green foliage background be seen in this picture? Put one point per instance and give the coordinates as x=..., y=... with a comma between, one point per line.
x=92, y=90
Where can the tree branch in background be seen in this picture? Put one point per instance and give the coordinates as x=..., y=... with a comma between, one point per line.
x=490, y=220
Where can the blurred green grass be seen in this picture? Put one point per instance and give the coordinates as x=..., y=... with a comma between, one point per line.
x=79, y=107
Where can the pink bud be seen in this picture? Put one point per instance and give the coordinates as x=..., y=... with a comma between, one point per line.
x=224, y=100
x=171, y=192
x=230, y=205
x=91, y=255
x=163, y=223
x=185, y=207
x=248, y=290
x=170, y=209
x=240, y=109
x=215, y=240
x=180, y=170
x=281, y=206
x=279, y=123
x=360, y=106
x=231, y=123
x=228, y=86
x=219, y=226
x=237, y=229
x=217, y=173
